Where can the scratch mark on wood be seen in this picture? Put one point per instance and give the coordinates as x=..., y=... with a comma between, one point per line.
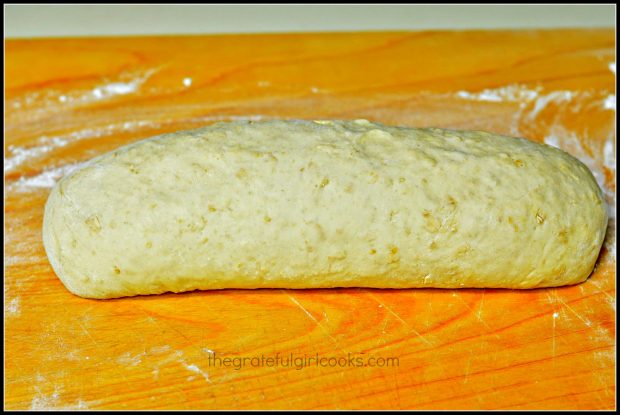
x=401, y=320
x=554, y=298
x=587, y=322
x=472, y=310
x=554, y=317
x=382, y=332
x=318, y=323
x=611, y=298
x=479, y=313
x=468, y=366
x=168, y=324
x=85, y=330
x=396, y=390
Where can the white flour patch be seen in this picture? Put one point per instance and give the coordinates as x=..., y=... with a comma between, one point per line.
x=610, y=241
x=50, y=403
x=50, y=100
x=129, y=360
x=13, y=307
x=23, y=154
x=196, y=369
x=113, y=89
x=611, y=301
x=600, y=334
x=81, y=405
x=13, y=259
x=533, y=96
x=174, y=357
x=604, y=358
x=510, y=93
x=74, y=355
x=552, y=141
x=159, y=349
x=116, y=88
x=46, y=179
x=44, y=403
x=542, y=101
x=609, y=154
x=610, y=103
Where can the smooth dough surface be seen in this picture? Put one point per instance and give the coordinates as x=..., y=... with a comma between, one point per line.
x=306, y=204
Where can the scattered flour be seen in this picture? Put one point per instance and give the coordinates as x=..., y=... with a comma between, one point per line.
x=196, y=369
x=13, y=307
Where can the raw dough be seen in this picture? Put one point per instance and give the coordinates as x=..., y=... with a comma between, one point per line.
x=305, y=204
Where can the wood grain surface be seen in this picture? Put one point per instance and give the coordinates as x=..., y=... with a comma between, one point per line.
x=68, y=100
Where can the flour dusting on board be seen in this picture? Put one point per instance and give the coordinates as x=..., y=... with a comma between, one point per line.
x=510, y=93
x=159, y=349
x=51, y=402
x=163, y=356
x=46, y=179
x=604, y=358
x=50, y=100
x=12, y=307
x=196, y=369
x=45, y=402
x=129, y=360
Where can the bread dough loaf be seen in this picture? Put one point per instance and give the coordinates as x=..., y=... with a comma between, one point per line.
x=307, y=204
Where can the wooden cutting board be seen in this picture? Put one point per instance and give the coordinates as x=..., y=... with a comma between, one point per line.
x=68, y=100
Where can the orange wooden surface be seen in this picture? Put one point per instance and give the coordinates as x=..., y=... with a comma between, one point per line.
x=68, y=100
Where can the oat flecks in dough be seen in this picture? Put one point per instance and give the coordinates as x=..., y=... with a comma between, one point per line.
x=301, y=204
